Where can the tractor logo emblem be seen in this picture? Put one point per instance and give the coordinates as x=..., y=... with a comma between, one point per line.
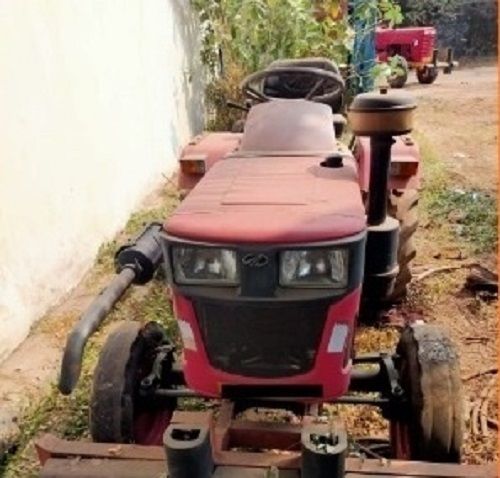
x=255, y=260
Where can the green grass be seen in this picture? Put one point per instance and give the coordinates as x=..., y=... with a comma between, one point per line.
x=468, y=216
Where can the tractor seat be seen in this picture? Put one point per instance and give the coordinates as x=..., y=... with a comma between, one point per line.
x=297, y=126
x=295, y=86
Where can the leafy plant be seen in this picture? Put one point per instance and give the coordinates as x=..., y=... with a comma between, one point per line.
x=239, y=37
x=255, y=32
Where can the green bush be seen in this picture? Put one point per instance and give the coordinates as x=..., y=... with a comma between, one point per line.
x=239, y=37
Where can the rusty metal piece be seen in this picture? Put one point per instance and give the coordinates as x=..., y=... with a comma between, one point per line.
x=231, y=441
x=95, y=460
x=98, y=468
x=269, y=435
x=50, y=446
x=57, y=468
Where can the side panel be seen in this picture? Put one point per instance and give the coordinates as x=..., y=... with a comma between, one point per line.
x=404, y=150
x=416, y=44
x=211, y=147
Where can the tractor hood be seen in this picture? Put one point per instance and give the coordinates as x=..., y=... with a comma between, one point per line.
x=271, y=200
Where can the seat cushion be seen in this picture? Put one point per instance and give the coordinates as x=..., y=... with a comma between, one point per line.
x=289, y=125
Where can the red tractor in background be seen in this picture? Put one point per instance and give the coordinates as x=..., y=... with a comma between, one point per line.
x=412, y=48
x=282, y=235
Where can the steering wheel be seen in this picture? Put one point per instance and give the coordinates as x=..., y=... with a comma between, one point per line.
x=332, y=84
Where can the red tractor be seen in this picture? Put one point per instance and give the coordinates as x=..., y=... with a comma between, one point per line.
x=282, y=235
x=412, y=48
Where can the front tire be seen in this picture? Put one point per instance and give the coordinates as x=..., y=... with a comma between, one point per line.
x=427, y=75
x=118, y=413
x=430, y=427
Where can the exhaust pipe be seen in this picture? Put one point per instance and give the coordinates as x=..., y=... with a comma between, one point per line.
x=378, y=194
x=381, y=116
x=135, y=263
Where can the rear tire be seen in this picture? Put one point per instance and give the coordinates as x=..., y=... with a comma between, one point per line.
x=431, y=426
x=427, y=75
x=403, y=206
x=399, y=78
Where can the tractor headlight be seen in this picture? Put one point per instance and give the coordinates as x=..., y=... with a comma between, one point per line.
x=204, y=265
x=325, y=268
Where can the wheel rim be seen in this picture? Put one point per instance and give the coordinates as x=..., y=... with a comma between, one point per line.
x=119, y=412
x=150, y=417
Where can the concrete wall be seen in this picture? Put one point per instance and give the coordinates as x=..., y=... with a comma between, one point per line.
x=96, y=98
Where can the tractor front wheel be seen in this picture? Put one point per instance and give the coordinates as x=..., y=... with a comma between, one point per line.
x=427, y=75
x=429, y=427
x=118, y=411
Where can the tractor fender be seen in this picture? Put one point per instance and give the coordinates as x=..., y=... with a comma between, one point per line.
x=208, y=147
x=405, y=169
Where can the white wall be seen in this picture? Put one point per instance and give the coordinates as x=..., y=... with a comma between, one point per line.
x=96, y=98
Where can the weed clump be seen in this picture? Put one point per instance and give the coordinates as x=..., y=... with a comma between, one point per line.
x=470, y=215
x=464, y=214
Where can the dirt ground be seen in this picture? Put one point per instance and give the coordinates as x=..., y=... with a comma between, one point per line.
x=457, y=129
x=457, y=116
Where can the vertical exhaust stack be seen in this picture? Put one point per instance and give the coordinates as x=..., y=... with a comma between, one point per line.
x=381, y=116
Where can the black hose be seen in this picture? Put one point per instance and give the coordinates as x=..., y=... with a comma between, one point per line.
x=136, y=263
x=87, y=325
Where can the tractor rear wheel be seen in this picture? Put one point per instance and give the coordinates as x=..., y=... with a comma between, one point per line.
x=403, y=206
x=430, y=426
x=399, y=78
x=118, y=412
x=427, y=75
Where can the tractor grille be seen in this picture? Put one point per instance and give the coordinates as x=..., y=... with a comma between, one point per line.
x=262, y=339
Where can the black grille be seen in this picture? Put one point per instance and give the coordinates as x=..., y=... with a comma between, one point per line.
x=262, y=339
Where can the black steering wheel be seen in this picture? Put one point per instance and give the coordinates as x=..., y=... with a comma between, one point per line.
x=328, y=87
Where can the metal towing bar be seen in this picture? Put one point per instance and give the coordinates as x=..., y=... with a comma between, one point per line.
x=200, y=445
x=68, y=459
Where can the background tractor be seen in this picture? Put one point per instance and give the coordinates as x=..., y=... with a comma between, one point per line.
x=411, y=48
x=282, y=232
